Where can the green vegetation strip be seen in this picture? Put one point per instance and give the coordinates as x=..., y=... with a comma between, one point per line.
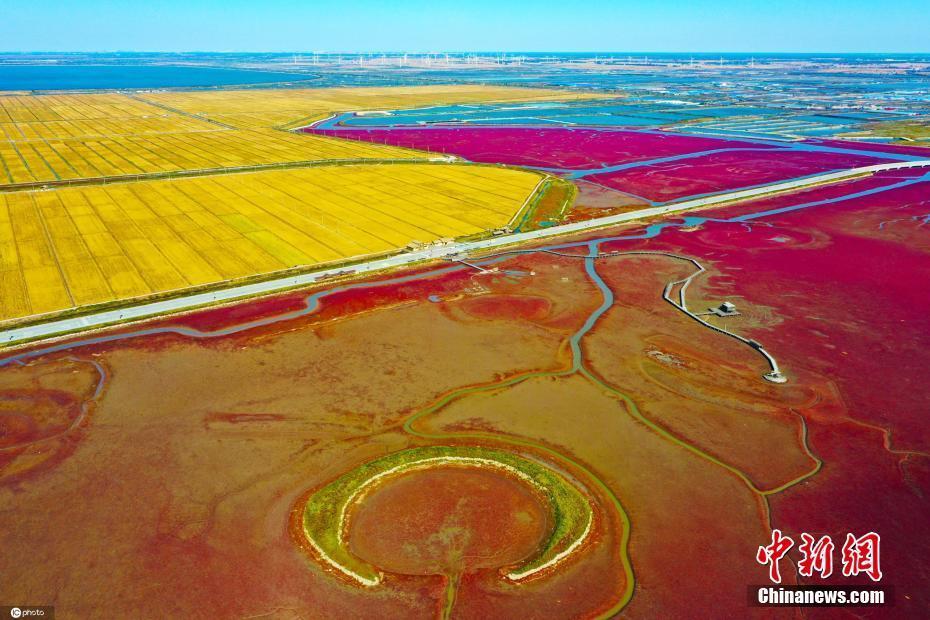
x=324, y=518
x=547, y=207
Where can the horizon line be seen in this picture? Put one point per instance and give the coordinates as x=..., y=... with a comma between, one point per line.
x=488, y=51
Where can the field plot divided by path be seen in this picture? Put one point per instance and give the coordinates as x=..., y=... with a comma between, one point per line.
x=286, y=107
x=50, y=138
x=79, y=246
x=66, y=137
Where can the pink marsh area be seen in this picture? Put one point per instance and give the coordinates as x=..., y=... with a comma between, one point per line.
x=576, y=149
x=719, y=172
x=736, y=164
x=845, y=282
x=833, y=196
x=844, y=277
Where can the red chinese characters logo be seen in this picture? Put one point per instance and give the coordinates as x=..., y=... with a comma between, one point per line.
x=772, y=553
x=860, y=555
x=817, y=556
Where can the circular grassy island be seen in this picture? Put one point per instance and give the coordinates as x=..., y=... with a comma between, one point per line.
x=444, y=510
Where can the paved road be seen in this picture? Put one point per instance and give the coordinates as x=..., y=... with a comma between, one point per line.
x=146, y=310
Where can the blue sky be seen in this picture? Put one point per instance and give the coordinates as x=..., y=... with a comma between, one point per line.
x=467, y=25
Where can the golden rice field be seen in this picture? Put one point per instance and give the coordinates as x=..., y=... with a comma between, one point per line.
x=49, y=117
x=50, y=138
x=50, y=160
x=71, y=247
x=285, y=107
x=60, y=137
